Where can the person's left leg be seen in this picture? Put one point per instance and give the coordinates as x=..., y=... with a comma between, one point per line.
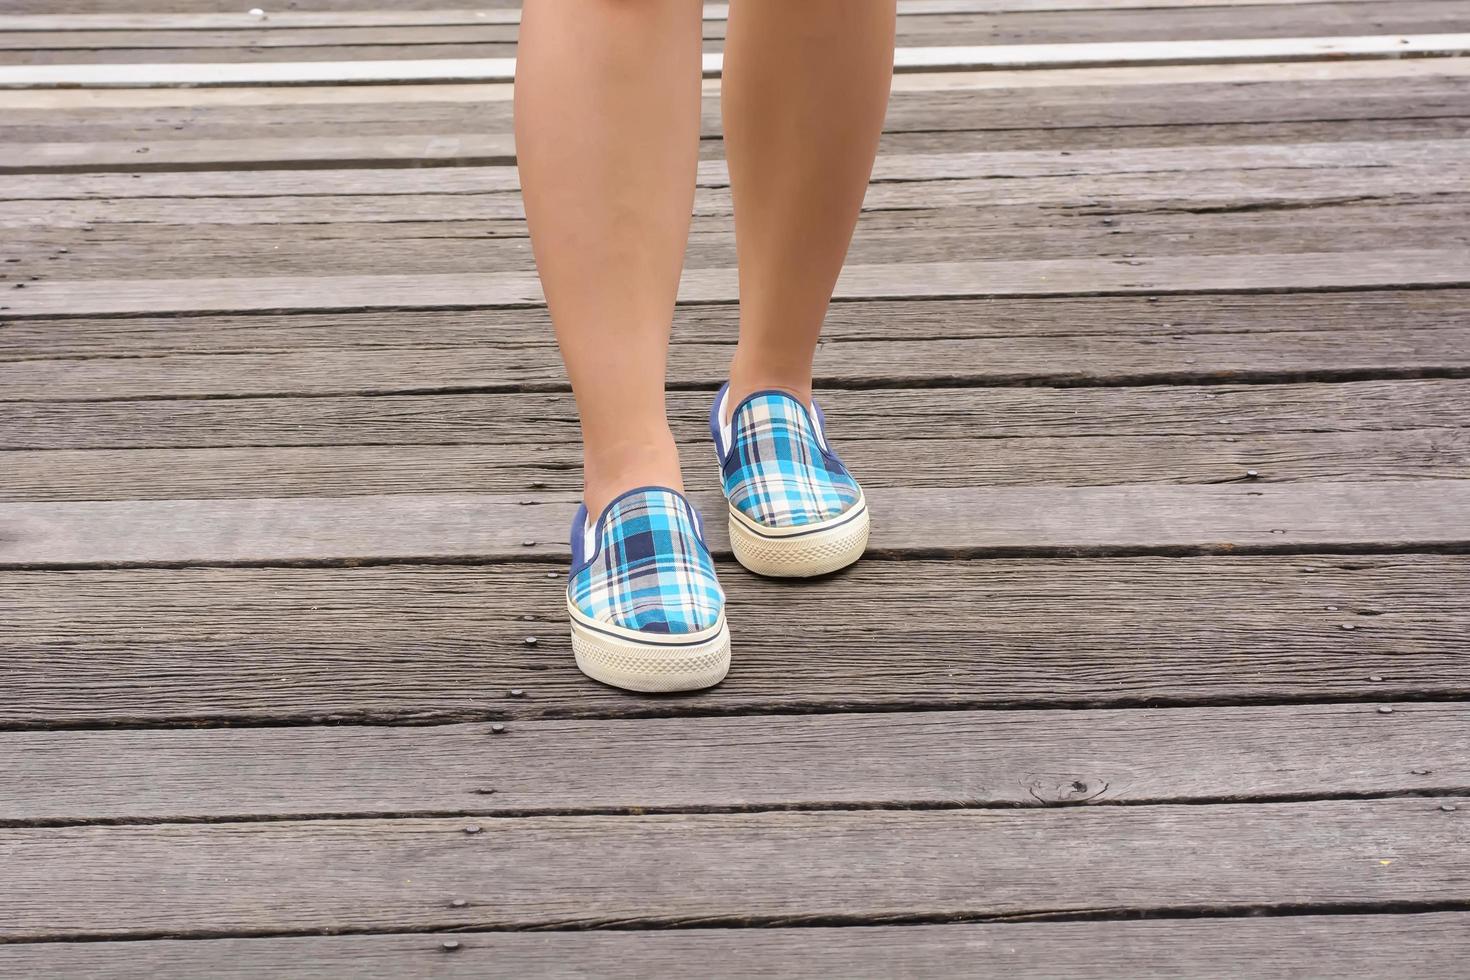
x=803, y=97
x=805, y=89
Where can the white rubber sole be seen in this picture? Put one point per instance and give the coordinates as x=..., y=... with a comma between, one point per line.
x=801, y=551
x=627, y=659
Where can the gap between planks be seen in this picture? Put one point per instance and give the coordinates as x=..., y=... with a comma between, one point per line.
x=929, y=59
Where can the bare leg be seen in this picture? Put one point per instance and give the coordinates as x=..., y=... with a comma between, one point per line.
x=804, y=93
x=607, y=139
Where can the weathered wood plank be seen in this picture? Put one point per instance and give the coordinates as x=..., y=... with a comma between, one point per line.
x=218, y=6
x=936, y=24
x=920, y=168
x=765, y=868
x=539, y=420
x=510, y=8
x=101, y=45
x=464, y=69
x=289, y=19
x=934, y=758
x=286, y=152
x=1054, y=277
x=113, y=136
x=852, y=364
x=1377, y=430
x=247, y=42
x=1032, y=231
x=967, y=522
x=1275, y=948
x=1015, y=320
x=423, y=643
x=1396, y=453
x=1282, y=352
x=1277, y=186
x=932, y=128
x=1040, y=137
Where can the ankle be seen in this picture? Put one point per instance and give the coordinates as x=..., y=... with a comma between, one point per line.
x=746, y=380
x=610, y=470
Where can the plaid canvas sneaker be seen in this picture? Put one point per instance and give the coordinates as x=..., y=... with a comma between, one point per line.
x=647, y=612
x=795, y=510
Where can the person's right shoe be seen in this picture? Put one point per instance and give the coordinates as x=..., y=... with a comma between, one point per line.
x=795, y=510
x=647, y=611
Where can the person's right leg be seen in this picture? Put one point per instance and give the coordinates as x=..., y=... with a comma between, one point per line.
x=607, y=138
x=607, y=101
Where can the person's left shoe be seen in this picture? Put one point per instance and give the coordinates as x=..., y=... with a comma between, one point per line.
x=795, y=510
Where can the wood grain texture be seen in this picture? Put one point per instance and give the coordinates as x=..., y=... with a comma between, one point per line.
x=411, y=17
x=1426, y=154
x=221, y=6
x=1417, y=126
x=406, y=135
x=1285, y=948
x=1045, y=277
x=538, y=420
x=425, y=643
x=1280, y=186
x=1082, y=228
x=254, y=40
x=1060, y=98
x=764, y=868
x=1280, y=356
x=278, y=547
x=936, y=758
x=1407, y=453
x=508, y=9
x=1247, y=518
x=283, y=152
x=1056, y=321
x=388, y=136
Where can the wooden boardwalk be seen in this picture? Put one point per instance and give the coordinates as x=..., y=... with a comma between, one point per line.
x=1154, y=353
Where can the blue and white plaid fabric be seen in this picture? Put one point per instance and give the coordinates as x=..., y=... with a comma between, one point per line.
x=648, y=568
x=776, y=467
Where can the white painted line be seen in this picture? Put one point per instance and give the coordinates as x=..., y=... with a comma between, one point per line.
x=1030, y=56
x=1112, y=53
x=944, y=81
